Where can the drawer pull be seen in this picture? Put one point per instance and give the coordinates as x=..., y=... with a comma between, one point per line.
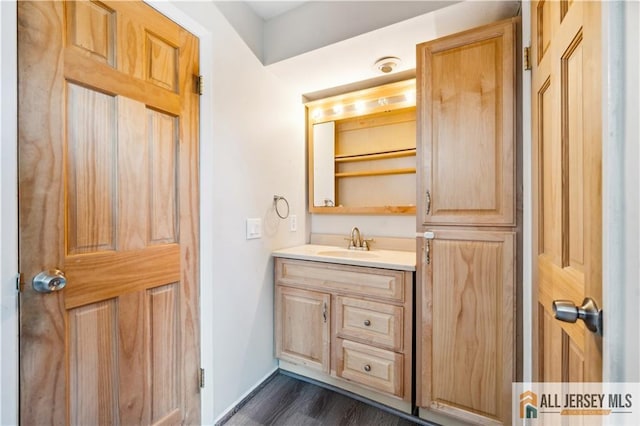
x=367, y=323
x=367, y=368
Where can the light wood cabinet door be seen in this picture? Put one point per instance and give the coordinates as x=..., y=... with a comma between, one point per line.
x=466, y=113
x=302, y=327
x=465, y=325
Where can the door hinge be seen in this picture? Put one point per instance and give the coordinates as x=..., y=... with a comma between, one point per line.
x=199, y=84
x=527, y=58
x=201, y=379
x=19, y=282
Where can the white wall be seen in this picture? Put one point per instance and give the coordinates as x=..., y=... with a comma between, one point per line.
x=621, y=198
x=8, y=217
x=376, y=226
x=258, y=151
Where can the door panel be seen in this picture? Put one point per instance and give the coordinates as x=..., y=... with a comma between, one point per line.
x=567, y=183
x=302, y=327
x=466, y=92
x=467, y=323
x=108, y=146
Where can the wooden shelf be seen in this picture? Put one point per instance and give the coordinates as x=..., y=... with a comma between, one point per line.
x=376, y=156
x=361, y=173
x=399, y=209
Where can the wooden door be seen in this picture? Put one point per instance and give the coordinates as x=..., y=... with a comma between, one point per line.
x=465, y=93
x=302, y=327
x=466, y=317
x=566, y=54
x=108, y=175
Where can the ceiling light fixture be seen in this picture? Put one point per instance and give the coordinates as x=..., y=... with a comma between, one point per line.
x=387, y=64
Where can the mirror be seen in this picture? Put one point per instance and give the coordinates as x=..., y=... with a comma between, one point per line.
x=324, y=181
x=362, y=151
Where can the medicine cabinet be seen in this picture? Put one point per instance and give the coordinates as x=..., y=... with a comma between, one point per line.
x=362, y=151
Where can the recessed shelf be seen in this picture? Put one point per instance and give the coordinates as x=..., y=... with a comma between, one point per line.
x=376, y=156
x=360, y=173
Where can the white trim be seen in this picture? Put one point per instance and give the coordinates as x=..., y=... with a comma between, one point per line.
x=244, y=395
x=527, y=207
x=206, y=202
x=9, y=215
x=620, y=194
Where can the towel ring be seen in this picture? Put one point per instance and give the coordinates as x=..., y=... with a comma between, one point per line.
x=276, y=200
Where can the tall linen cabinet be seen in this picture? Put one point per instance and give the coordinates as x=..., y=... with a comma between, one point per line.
x=466, y=223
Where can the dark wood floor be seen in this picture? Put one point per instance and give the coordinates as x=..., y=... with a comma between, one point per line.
x=288, y=401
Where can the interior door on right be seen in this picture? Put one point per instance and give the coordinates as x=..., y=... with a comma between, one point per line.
x=567, y=132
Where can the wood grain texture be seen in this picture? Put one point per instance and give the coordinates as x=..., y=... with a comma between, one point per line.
x=567, y=127
x=466, y=119
x=372, y=323
x=370, y=366
x=100, y=351
x=303, y=327
x=466, y=325
x=364, y=327
x=384, y=284
x=133, y=175
x=91, y=170
x=163, y=190
x=93, y=376
x=91, y=27
x=161, y=62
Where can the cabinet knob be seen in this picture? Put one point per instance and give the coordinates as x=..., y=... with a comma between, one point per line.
x=367, y=368
x=367, y=323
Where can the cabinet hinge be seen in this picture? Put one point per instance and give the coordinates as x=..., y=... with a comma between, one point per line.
x=526, y=59
x=201, y=379
x=199, y=84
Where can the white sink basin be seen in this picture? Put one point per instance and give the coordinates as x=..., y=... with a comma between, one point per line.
x=349, y=254
x=376, y=258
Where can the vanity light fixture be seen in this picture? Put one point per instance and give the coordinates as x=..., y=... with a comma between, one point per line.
x=317, y=113
x=338, y=109
x=360, y=106
x=410, y=95
x=387, y=64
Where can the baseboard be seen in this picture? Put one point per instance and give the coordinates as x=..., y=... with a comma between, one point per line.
x=233, y=409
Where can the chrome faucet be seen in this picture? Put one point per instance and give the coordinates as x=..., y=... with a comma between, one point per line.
x=356, y=239
x=356, y=242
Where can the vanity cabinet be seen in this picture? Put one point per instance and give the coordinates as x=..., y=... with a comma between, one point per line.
x=467, y=221
x=349, y=326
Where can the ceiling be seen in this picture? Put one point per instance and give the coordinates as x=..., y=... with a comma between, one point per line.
x=270, y=9
x=324, y=47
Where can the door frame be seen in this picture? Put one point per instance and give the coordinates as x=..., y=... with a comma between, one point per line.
x=9, y=216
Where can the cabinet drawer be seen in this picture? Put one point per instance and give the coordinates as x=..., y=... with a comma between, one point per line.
x=371, y=282
x=374, y=323
x=374, y=367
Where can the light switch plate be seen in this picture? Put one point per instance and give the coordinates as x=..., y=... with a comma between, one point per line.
x=254, y=228
x=293, y=223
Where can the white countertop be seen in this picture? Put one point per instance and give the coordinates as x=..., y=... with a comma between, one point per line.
x=387, y=259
